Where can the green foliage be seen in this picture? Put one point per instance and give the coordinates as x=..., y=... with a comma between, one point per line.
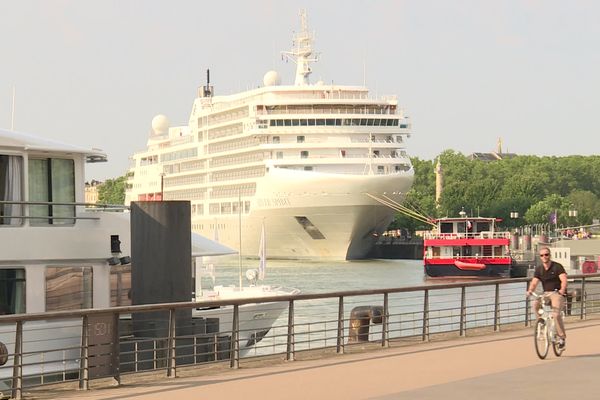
x=535, y=187
x=112, y=191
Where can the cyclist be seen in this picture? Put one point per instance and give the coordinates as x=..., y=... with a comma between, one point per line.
x=554, y=280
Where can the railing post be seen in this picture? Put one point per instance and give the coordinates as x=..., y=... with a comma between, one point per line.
x=583, y=299
x=497, y=308
x=425, y=335
x=116, y=350
x=385, y=339
x=463, y=312
x=171, y=357
x=84, y=368
x=527, y=306
x=235, y=339
x=17, y=381
x=340, y=329
x=290, y=354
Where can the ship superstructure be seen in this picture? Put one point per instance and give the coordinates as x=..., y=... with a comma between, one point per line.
x=298, y=159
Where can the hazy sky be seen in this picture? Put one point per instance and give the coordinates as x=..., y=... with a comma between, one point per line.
x=94, y=73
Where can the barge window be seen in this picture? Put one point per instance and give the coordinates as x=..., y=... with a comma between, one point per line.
x=12, y=291
x=68, y=288
x=52, y=180
x=11, y=189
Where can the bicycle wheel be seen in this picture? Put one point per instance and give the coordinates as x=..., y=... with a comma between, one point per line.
x=557, y=350
x=540, y=337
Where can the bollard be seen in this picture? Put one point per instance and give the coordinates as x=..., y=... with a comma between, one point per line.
x=360, y=321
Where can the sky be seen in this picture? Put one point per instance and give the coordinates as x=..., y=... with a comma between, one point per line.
x=94, y=73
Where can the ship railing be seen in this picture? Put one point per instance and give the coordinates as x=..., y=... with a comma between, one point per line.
x=464, y=235
x=120, y=342
x=64, y=212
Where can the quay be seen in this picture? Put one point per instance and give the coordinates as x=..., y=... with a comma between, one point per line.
x=497, y=365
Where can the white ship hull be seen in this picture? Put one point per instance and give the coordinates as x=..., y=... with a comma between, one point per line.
x=344, y=220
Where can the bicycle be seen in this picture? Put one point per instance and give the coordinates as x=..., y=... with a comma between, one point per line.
x=545, y=328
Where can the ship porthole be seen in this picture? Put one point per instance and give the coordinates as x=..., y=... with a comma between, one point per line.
x=3, y=354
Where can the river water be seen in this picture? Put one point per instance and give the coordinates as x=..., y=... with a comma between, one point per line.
x=316, y=320
x=325, y=276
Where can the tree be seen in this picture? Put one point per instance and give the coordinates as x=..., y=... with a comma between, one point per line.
x=112, y=191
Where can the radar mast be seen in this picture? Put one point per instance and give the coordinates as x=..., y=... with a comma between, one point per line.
x=302, y=52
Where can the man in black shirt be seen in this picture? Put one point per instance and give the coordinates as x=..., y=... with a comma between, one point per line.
x=554, y=280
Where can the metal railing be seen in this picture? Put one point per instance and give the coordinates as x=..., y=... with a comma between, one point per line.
x=470, y=235
x=126, y=340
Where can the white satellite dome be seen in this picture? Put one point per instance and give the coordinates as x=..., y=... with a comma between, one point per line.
x=160, y=124
x=272, y=78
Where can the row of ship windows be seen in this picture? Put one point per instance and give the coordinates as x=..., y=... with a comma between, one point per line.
x=337, y=122
x=381, y=169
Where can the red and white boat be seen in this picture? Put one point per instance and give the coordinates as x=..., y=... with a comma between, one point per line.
x=467, y=247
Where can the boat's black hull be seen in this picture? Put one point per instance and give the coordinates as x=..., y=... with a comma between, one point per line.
x=451, y=270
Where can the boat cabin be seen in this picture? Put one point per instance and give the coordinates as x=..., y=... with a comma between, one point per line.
x=55, y=250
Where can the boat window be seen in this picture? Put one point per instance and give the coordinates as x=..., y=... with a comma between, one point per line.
x=287, y=122
x=120, y=285
x=295, y=122
x=304, y=154
x=279, y=122
x=466, y=251
x=300, y=139
x=273, y=123
x=482, y=226
x=377, y=122
x=11, y=189
x=303, y=122
x=330, y=121
x=320, y=122
x=402, y=126
x=68, y=288
x=446, y=227
x=461, y=227
x=311, y=122
x=276, y=139
x=52, y=180
x=12, y=291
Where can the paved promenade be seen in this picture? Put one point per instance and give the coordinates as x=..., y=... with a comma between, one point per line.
x=496, y=366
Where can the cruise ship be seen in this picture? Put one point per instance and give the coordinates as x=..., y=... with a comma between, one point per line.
x=312, y=165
